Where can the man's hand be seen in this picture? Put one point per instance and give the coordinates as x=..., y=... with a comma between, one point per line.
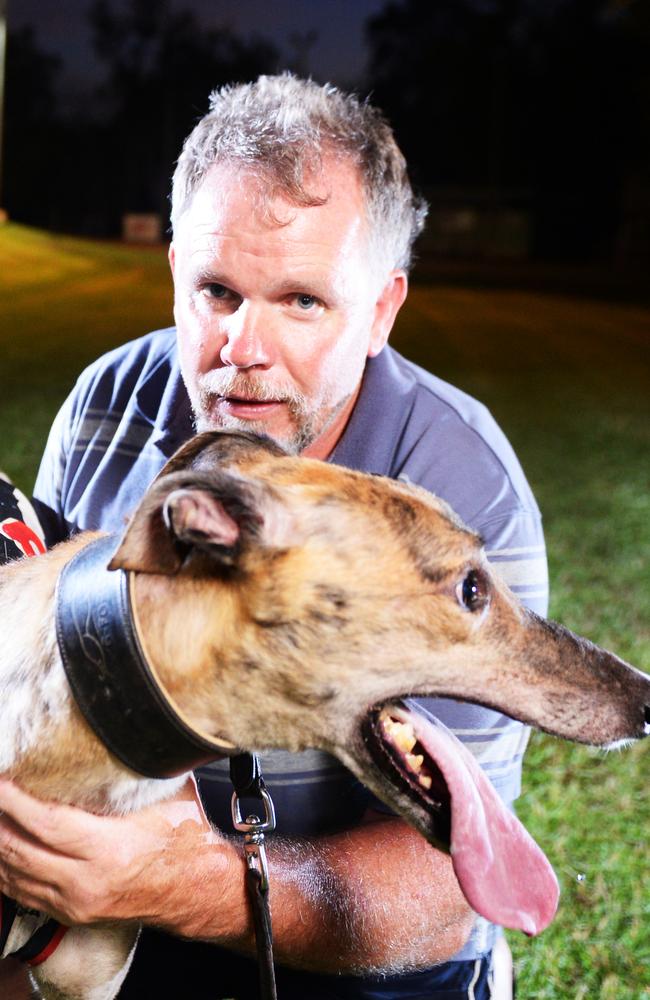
x=81, y=868
x=375, y=897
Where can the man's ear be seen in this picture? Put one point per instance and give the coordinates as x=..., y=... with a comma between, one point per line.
x=171, y=257
x=386, y=308
x=221, y=517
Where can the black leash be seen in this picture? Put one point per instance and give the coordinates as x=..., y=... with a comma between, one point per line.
x=246, y=776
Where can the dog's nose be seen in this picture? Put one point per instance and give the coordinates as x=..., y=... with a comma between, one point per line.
x=646, y=728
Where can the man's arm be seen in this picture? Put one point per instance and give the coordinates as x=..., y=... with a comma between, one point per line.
x=373, y=898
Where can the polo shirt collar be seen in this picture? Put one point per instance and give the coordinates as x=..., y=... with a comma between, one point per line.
x=170, y=415
x=381, y=414
x=369, y=442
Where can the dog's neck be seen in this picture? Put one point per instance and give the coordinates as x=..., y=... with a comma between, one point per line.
x=190, y=668
x=32, y=686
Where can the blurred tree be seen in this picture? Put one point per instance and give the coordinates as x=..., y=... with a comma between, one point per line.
x=446, y=75
x=503, y=93
x=584, y=67
x=31, y=127
x=634, y=232
x=79, y=171
x=162, y=64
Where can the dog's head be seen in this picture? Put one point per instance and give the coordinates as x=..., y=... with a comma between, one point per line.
x=347, y=596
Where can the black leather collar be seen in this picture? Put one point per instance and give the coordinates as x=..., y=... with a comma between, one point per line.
x=115, y=687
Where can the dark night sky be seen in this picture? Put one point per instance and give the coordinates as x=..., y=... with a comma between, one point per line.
x=338, y=53
x=547, y=98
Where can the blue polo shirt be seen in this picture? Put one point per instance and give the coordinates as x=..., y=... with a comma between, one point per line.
x=130, y=411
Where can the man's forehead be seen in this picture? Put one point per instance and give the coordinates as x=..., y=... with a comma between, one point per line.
x=243, y=194
x=227, y=225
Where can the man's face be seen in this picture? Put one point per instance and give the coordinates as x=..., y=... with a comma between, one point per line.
x=277, y=311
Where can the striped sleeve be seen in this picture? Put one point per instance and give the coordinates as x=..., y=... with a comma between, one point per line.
x=515, y=549
x=47, y=497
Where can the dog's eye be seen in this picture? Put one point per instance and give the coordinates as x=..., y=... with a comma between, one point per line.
x=472, y=592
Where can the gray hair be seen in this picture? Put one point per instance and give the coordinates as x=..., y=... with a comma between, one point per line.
x=280, y=127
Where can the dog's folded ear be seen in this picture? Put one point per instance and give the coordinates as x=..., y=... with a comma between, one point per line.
x=211, y=450
x=221, y=515
x=197, y=517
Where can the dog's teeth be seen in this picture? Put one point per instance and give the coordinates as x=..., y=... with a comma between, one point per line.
x=414, y=761
x=404, y=737
x=401, y=733
x=389, y=725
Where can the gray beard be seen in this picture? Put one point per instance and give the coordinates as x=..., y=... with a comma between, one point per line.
x=307, y=425
x=294, y=443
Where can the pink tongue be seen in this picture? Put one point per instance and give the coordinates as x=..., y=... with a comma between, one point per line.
x=503, y=873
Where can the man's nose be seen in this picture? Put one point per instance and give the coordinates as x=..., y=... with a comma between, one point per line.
x=248, y=338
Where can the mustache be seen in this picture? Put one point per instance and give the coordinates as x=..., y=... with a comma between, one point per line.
x=234, y=384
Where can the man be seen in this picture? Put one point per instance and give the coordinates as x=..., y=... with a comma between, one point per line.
x=293, y=224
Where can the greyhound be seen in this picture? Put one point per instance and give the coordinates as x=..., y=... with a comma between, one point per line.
x=342, y=597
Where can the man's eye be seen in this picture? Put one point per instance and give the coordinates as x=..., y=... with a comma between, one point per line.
x=306, y=301
x=216, y=291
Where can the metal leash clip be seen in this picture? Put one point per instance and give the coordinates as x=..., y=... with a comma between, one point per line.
x=246, y=776
x=254, y=829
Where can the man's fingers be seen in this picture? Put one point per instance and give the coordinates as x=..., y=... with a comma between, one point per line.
x=56, y=828
x=83, y=868
x=44, y=879
x=28, y=869
x=21, y=854
x=33, y=896
x=22, y=864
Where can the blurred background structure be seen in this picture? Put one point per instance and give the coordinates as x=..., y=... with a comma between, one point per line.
x=527, y=125
x=525, y=121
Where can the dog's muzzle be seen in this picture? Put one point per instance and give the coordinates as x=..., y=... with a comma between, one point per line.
x=114, y=685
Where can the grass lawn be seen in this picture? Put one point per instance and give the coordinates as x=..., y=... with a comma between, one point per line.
x=569, y=380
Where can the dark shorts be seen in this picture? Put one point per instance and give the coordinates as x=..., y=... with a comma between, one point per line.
x=166, y=968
